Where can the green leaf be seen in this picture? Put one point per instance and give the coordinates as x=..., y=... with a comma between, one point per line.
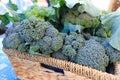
x=72, y=3
x=111, y=22
x=12, y=6
x=5, y=18
x=4, y=9
x=87, y=6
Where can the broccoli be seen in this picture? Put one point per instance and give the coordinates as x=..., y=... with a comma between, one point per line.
x=40, y=12
x=75, y=40
x=52, y=32
x=72, y=43
x=37, y=36
x=92, y=54
x=69, y=51
x=75, y=17
x=22, y=47
x=57, y=43
x=30, y=28
x=12, y=41
x=45, y=47
x=96, y=38
x=60, y=55
x=49, y=44
x=113, y=54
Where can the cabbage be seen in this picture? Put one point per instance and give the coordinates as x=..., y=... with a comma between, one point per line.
x=111, y=22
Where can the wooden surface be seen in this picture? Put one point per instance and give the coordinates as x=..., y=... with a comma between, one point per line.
x=28, y=70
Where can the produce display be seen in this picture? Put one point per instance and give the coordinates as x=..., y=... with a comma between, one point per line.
x=75, y=31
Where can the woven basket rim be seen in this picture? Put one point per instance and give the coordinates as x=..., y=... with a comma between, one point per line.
x=65, y=65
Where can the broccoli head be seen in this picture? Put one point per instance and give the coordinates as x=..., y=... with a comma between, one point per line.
x=37, y=36
x=32, y=29
x=113, y=54
x=92, y=54
x=49, y=44
x=69, y=51
x=52, y=32
x=72, y=43
x=60, y=55
x=84, y=19
x=75, y=40
x=12, y=41
x=57, y=43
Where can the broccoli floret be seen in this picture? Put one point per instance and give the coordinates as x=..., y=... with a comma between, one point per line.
x=92, y=54
x=44, y=47
x=48, y=40
x=75, y=40
x=59, y=55
x=49, y=45
x=72, y=43
x=69, y=38
x=12, y=41
x=57, y=43
x=22, y=48
x=76, y=45
x=32, y=29
x=96, y=38
x=52, y=32
x=69, y=51
x=51, y=41
x=34, y=49
x=113, y=54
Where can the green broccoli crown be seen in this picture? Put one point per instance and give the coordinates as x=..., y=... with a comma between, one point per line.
x=72, y=43
x=92, y=55
x=113, y=54
x=49, y=44
x=74, y=17
x=69, y=51
x=57, y=43
x=60, y=55
x=37, y=36
x=12, y=41
x=75, y=40
x=30, y=28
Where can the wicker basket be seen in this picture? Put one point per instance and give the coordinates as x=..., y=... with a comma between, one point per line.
x=65, y=65
x=117, y=68
x=29, y=70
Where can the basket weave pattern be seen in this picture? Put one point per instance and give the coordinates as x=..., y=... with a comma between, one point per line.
x=65, y=65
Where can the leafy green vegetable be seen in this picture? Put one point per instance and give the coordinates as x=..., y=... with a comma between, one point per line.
x=13, y=6
x=40, y=12
x=111, y=23
x=87, y=5
x=8, y=13
x=5, y=18
x=74, y=15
